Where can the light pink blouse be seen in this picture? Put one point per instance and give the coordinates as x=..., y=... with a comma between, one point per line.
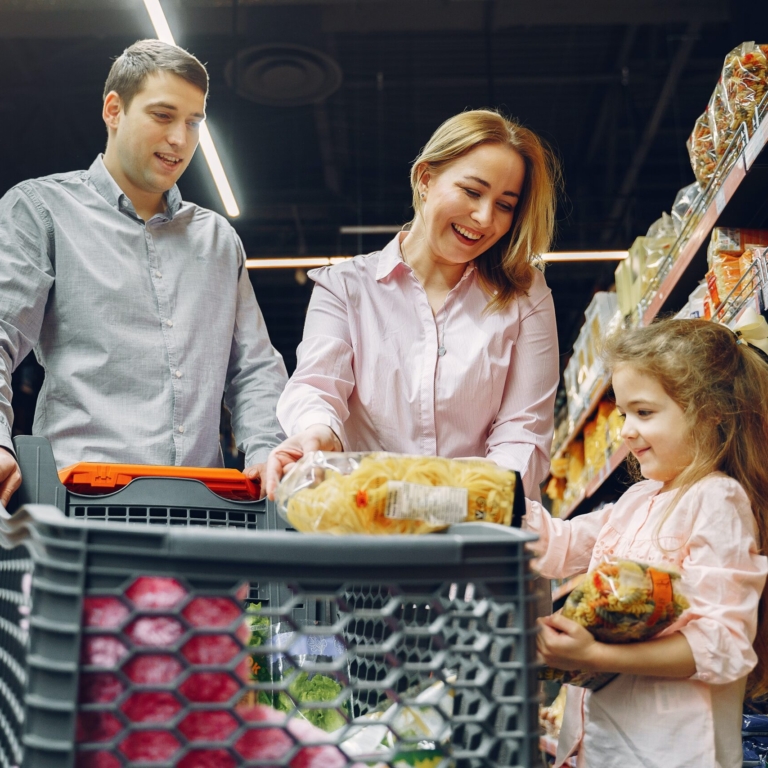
x=370, y=367
x=710, y=538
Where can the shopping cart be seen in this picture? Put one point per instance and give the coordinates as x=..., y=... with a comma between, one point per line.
x=149, y=645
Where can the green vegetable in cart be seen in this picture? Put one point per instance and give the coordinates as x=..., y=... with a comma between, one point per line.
x=318, y=688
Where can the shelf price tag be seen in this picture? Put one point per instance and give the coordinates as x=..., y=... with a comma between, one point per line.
x=720, y=201
x=756, y=143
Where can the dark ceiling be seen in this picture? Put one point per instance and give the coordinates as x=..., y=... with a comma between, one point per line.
x=614, y=86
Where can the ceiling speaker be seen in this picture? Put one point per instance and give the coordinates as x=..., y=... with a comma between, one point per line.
x=283, y=75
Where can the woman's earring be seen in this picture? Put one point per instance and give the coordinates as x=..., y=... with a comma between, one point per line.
x=423, y=195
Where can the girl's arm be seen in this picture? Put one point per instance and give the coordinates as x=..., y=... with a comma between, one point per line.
x=564, y=547
x=723, y=577
x=564, y=644
x=521, y=434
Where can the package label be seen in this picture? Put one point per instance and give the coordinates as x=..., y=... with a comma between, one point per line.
x=439, y=505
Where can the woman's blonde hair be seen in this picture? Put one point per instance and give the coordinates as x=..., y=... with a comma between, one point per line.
x=505, y=269
x=722, y=387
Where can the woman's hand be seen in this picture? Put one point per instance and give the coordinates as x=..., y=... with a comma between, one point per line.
x=318, y=437
x=564, y=644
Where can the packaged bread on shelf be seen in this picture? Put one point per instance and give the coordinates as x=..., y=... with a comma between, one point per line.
x=726, y=260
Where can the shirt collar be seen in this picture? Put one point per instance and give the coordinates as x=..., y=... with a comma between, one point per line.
x=110, y=190
x=392, y=255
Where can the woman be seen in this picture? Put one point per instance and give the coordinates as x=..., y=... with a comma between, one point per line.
x=444, y=342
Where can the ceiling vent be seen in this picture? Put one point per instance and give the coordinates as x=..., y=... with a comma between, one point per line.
x=283, y=75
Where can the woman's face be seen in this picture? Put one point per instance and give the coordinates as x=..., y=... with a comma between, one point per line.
x=471, y=203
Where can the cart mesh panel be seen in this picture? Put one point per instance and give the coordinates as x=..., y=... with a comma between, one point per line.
x=15, y=588
x=170, y=673
x=156, y=645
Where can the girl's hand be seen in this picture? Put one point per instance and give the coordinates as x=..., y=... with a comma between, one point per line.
x=564, y=644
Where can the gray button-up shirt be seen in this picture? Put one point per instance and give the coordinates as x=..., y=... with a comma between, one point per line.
x=140, y=327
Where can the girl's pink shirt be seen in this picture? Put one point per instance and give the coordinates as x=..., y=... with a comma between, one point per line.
x=369, y=368
x=710, y=538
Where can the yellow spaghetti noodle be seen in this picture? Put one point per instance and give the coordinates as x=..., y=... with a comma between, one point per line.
x=383, y=493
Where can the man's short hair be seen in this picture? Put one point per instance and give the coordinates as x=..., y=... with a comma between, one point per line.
x=147, y=57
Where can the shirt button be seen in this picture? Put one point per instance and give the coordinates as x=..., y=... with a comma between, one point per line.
x=178, y=374
x=181, y=429
x=169, y=323
x=158, y=273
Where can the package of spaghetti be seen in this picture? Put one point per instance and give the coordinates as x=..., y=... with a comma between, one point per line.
x=621, y=602
x=745, y=77
x=387, y=493
x=701, y=150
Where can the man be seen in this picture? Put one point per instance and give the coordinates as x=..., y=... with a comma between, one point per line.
x=137, y=304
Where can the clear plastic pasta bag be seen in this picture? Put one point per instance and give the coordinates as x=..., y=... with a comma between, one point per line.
x=701, y=150
x=386, y=493
x=720, y=119
x=621, y=601
x=745, y=77
x=682, y=209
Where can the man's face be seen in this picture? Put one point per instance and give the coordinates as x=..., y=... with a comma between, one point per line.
x=154, y=140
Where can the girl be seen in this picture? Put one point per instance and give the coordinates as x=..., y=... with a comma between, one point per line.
x=694, y=400
x=443, y=343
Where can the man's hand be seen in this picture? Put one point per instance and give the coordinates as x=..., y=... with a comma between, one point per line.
x=316, y=438
x=256, y=473
x=564, y=644
x=10, y=476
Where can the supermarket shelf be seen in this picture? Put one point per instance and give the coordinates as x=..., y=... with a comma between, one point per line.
x=549, y=745
x=746, y=153
x=599, y=390
x=610, y=466
x=567, y=587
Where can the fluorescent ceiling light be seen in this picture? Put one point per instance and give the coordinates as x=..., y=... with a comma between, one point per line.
x=295, y=262
x=307, y=262
x=585, y=256
x=159, y=22
x=373, y=229
x=163, y=32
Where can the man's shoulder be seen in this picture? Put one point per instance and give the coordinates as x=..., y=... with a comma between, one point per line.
x=52, y=181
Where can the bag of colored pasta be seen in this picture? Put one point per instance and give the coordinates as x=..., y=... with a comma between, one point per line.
x=745, y=78
x=621, y=602
x=701, y=150
x=382, y=493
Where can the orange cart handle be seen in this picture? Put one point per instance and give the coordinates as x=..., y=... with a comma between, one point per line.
x=91, y=478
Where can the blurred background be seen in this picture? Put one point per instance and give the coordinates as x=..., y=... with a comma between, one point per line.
x=318, y=108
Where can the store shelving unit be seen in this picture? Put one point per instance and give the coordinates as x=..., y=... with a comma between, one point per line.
x=735, y=192
x=599, y=390
x=612, y=463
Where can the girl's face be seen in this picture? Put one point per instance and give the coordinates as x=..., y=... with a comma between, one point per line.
x=655, y=428
x=471, y=203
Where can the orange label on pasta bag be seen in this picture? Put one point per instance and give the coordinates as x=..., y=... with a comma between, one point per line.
x=438, y=505
x=661, y=595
